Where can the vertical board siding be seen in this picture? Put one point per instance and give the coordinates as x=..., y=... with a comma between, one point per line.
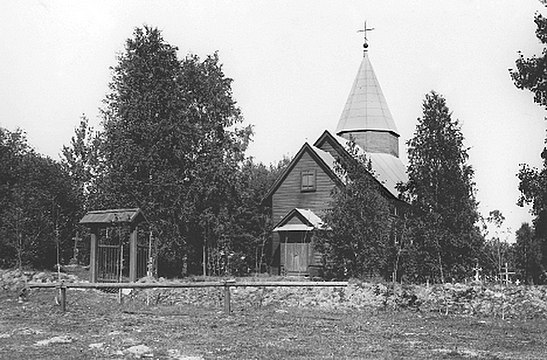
x=378, y=142
x=288, y=196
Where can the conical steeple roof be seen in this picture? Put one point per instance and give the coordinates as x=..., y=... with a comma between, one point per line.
x=366, y=108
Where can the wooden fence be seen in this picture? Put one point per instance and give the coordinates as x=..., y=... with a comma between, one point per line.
x=227, y=285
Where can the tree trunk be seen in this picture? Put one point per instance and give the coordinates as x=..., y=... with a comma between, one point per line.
x=440, y=266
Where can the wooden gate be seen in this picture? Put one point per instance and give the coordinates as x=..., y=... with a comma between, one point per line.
x=109, y=261
x=110, y=257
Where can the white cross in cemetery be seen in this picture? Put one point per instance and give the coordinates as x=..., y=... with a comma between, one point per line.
x=506, y=273
x=76, y=239
x=477, y=271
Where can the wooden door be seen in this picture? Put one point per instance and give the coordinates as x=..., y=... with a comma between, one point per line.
x=295, y=257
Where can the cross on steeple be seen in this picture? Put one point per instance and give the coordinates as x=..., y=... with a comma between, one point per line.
x=364, y=31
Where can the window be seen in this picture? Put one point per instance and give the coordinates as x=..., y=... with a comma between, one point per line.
x=308, y=181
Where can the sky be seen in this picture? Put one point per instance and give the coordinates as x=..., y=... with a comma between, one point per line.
x=293, y=65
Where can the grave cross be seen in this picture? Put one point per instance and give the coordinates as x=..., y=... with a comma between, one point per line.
x=76, y=250
x=364, y=31
x=506, y=273
x=477, y=271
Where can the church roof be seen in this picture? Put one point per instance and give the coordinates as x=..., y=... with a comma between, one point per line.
x=389, y=170
x=326, y=157
x=366, y=107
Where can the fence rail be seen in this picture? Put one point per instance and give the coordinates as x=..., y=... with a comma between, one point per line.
x=62, y=287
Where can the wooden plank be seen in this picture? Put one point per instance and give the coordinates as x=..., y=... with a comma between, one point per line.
x=133, y=255
x=225, y=284
x=93, y=255
x=190, y=285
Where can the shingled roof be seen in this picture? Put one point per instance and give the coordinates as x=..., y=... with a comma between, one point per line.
x=112, y=216
x=366, y=107
x=389, y=170
x=306, y=220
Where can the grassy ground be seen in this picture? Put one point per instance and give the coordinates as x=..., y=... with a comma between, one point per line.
x=96, y=327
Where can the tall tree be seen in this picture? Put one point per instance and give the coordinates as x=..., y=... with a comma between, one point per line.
x=81, y=160
x=39, y=206
x=441, y=191
x=528, y=255
x=496, y=252
x=251, y=228
x=357, y=242
x=171, y=146
x=531, y=74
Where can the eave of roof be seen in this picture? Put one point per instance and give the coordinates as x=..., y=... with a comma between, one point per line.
x=309, y=221
x=112, y=216
x=293, y=227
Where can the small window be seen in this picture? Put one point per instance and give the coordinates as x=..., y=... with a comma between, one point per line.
x=308, y=181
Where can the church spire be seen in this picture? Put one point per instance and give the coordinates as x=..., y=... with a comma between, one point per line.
x=366, y=117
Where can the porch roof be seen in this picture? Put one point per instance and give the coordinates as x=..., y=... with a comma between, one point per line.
x=112, y=216
x=307, y=218
x=293, y=227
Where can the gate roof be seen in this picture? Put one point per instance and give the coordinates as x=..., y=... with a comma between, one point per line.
x=113, y=216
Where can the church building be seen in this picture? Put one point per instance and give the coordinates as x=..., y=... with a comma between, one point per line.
x=302, y=193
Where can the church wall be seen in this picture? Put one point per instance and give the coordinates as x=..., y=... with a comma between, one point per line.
x=375, y=142
x=288, y=196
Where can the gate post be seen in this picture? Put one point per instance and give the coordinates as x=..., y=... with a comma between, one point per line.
x=93, y=255
x=133, y=255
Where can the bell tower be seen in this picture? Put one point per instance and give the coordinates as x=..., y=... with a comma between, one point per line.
x=366, y=117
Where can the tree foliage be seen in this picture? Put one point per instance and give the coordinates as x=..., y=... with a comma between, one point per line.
x=357, y=242
x=441, y=190
x=528, y=255
x=497, y=252
x=80, y=160
x=252, y=223
x=531, y=74
x=39, y=206
x=171, y=145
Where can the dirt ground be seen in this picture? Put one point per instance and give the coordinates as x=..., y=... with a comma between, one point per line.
x=95, y=326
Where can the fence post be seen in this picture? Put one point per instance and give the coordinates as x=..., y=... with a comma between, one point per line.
x=227, y=295
x=63, y=297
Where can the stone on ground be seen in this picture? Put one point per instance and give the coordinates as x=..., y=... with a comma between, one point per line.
x=63, y=339
x=139, y=350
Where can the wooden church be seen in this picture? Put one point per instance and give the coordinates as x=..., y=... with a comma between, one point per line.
x=302, y=193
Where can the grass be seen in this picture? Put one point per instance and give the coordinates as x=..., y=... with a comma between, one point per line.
x=186, y=332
